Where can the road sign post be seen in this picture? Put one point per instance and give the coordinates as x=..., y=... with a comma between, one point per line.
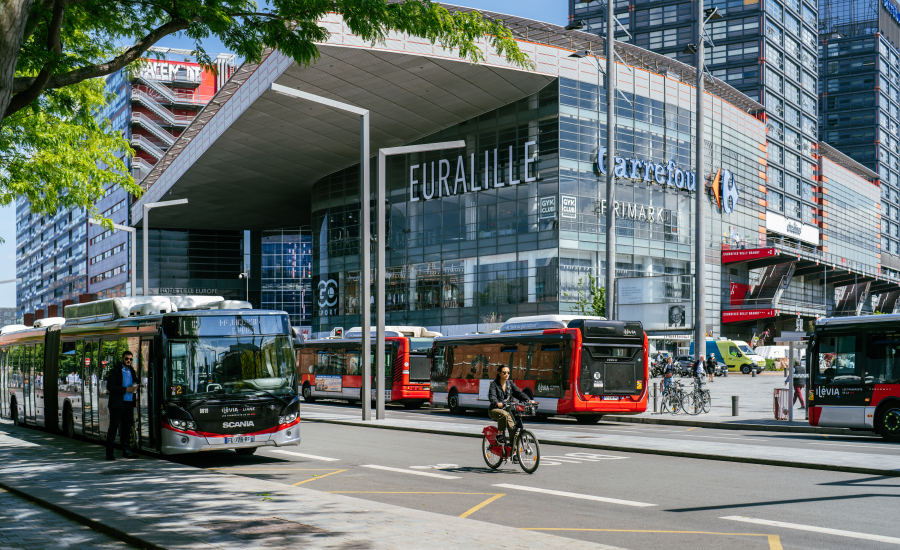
x=791, y=338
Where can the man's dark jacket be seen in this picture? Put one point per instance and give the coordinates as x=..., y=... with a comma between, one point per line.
x=497, y=395
x=115, y=388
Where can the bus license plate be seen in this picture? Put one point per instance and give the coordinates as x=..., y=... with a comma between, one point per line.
x=240, y=439
x=610, y=397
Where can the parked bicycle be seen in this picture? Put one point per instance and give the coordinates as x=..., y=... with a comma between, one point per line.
x=527, y=448
x=673, y=396
x=696, y=401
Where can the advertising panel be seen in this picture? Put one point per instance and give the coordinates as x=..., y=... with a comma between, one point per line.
x=738, y=292
x=792, y=228
x=659, y=303
x=328, y=382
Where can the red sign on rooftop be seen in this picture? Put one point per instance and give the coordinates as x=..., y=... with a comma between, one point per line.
x=738, y=315
x=731, y=256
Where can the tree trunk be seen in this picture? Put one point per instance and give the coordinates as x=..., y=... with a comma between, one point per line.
x=13, y=17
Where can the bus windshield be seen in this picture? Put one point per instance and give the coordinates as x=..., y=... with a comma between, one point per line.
x=203, y=367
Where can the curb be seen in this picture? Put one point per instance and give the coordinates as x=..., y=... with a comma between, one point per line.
x=96, y=517
x=621, y=448
x=735, y=426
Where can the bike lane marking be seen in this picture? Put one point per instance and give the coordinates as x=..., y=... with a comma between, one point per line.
x=404, y=471
x=317, y=477
x=773, y=540
x=814, y=529
x=313, y=457
x=574, y=495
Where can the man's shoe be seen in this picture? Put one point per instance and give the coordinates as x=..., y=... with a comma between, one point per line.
x=515, y=459
x=110, y=457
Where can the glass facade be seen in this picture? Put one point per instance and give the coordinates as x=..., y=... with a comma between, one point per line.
x=285, y=274
x=859, y=114
x=461, y=249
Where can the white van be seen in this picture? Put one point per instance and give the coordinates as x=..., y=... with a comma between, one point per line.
x=778, y=352
x=749, y=352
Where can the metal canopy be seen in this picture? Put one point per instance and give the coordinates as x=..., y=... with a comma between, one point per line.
x=259, y=173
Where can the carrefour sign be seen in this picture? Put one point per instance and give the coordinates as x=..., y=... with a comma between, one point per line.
x=667, y=175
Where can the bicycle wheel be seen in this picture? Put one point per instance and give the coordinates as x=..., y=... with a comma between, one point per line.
x=707, y=401
x=528, y=450
x=493, y=461
x=666, y=405
x=690, y=404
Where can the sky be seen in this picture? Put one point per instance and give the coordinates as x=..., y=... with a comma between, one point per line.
x=550, y=11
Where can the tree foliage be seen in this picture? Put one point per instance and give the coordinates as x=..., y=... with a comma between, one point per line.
x=592, y=303
x=49, y=46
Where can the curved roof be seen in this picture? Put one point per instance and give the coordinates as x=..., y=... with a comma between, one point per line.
x=251, y=156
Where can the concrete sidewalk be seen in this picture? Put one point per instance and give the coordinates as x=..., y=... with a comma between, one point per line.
x=773, y=455
x=161, y=505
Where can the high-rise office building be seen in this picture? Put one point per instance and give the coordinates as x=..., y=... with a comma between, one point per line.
x=61, y=259
x=859, y=114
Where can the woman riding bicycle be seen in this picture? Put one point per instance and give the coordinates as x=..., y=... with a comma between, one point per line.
x=499, y=392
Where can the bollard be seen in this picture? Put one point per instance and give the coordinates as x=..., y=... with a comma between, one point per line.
x=655, y=409
x=752, y=373
x=734, y=405
x=725, y=374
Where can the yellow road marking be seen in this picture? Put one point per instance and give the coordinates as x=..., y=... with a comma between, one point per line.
x=689, y=429
x=318, y=477
x=774, y=540
x=474, y=509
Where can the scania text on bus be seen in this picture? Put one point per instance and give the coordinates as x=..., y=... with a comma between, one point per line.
x=854, y=369
x=582, y=367
x=214, y=374
x=330, y=368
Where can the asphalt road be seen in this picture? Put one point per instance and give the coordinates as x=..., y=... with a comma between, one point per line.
x=622, y=499
x=865, y=442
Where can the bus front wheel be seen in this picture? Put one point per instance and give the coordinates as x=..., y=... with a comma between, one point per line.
x=889, y=425
x=307, y=394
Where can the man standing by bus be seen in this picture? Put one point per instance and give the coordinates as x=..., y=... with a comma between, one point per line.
x=799, y=374
x=122, y=386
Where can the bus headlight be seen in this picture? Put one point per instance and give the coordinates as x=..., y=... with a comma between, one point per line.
x=289, y=418
x=183, y=424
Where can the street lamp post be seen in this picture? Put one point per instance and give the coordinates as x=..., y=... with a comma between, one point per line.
x=146, y=234
x=246, y=277
x=132, y=274
x=703, y=17
x=364, y=234
x=610, y=147
x=380, y=200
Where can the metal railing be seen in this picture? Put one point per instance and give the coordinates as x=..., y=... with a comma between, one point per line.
x=172, y=96
x=147, y=145
x=151, y=103
x=156, y=129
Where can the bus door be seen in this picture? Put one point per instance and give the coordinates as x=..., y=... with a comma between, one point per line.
x=37, y=391
x=90, y=397
x=147, y=378
x=882, y=366
x=4, y=385
x=838, y=381
x=106, y=362
x=28, y=369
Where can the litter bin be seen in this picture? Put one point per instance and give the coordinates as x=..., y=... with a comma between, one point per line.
x=782, y=403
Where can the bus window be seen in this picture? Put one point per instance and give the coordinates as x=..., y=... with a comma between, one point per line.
x=883, y=359
x=837, y=361
x=69, y=377
x=352, y=363
x=322, y=362
x=336, y=361
x=306, y=361
x=108, y=361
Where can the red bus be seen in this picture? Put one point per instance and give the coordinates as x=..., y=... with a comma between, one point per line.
x=854, y=369
x=330, y=368
x=580, y=367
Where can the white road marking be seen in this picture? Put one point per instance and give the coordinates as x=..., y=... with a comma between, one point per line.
x=869, y=446
x=574, y=495
x=823, y=530
x=413, y=472
x=436, y=467
x=313, y=457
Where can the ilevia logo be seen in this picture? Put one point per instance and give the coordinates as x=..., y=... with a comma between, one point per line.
x=823, y=392
x=725, y=190
x=241, y=424
x=630, y=332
